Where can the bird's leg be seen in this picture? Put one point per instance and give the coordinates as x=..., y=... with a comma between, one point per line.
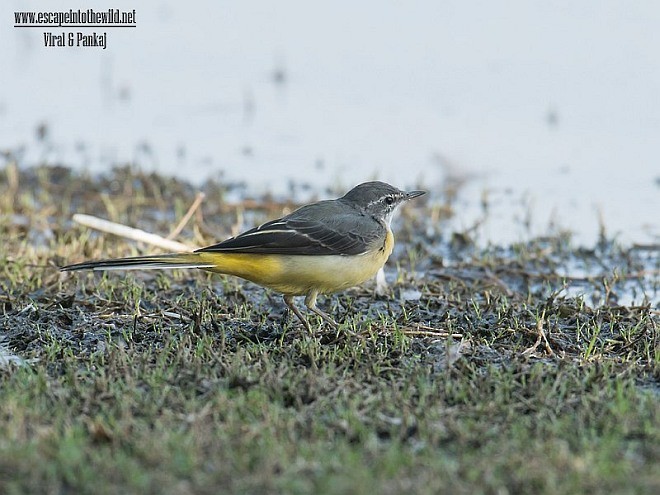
x=310, y=302
x=288, y=300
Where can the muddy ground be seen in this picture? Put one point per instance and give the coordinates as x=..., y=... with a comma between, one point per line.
x=482, y=369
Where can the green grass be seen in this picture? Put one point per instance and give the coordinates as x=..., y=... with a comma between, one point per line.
x=190, y=383
x=361, y=414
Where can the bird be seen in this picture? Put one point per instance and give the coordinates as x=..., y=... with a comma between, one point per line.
x=319, y=248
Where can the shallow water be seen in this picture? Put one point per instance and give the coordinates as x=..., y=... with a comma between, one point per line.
x=548, y=115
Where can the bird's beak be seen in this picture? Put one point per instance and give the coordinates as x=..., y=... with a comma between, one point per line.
x=414, y=194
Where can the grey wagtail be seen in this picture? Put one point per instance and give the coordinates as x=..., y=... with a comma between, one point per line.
x=319, y=248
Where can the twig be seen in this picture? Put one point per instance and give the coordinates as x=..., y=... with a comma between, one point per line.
x=427, y=333
x=193, y=207
x=425, y=330
x=541, y=337
x=130, y=233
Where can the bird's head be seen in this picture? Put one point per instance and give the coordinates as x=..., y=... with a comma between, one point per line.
x=378, y=199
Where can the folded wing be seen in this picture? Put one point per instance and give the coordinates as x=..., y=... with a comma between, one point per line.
x=324, y=228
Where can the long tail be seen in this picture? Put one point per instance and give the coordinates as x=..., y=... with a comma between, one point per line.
x=158, y=262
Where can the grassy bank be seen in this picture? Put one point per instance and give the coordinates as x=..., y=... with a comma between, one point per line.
x=485, y=370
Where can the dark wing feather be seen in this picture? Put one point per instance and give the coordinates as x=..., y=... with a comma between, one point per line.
x=328, y=227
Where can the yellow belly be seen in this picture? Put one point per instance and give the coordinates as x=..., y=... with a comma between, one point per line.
x=302, y=274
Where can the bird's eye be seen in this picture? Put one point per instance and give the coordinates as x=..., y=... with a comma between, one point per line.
x=389, y=200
